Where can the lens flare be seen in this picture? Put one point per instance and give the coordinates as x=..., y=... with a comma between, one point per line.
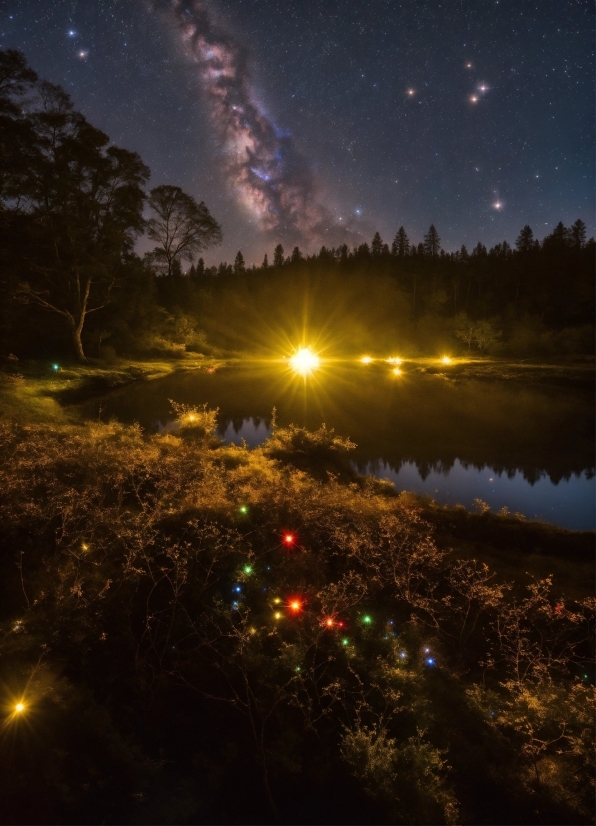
x=366, y=359
x=19, y=707
x=446, y=360
x=304, y=361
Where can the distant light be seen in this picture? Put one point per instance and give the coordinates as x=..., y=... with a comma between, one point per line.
x=277, y=600
x=473, y=98
x=396, y=371
x=304, y=361
x=366, y=619
x=427, y=650
x=243, y=509
x=410, y=92
x=247, y=569
x=329, y=622
x=237, y=588
x=277, y=615
x=446, y=360
x=366, y=359
x=345, y=641
x=498, y=205
x=403, y=655
x=85, y=547
x=430, y=661
x=19, y=708
x=289, y=539
x=295, y=605
x=394, y=361
x=55, y=366
x=252, y=630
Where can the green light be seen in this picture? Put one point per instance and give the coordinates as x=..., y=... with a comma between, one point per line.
x=55, y=366
x=243, y=509
x=247, y=569
x=298, y=668
x=345, y=641
x=366, y=619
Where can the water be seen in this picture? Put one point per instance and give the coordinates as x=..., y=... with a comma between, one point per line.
x=527, y=448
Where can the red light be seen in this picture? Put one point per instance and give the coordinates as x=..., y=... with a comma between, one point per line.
x=289, y=539
x=295, y=605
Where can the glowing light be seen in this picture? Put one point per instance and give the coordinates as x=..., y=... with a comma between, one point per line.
x=191, y=417
x=243, y=509
x=446, y=360
x=304, y=361
x=394, y=361
x=252, y=630
x=298, y=668
x=345, y=641
x=427, y=650
x=85, y=547
x=473, y=98
x=403, y=655
x=366, y=359
x=55, y=366
x=277, y=615
x=410, y=92
x=277, y=600
x=329, y=622
x=247, y=569
x=396, y=371
x=289, y=539
x=295, y=605
x=19, y=708
x=430, y=661
x=498, y=205
x=366, y=619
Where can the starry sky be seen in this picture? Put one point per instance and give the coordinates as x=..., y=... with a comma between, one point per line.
x=311, y=121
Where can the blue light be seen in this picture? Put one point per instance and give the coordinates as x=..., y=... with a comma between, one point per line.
x=237, y=588
x=403, y=655
x=430, y=661
x=55, y=366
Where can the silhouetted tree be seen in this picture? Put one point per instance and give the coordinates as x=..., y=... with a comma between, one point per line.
x=578, y=234
x=278, y=256
x=401, y=243
x=181, y=227
x=296, y=255
x=265, y=263
x=525, y=240
x=432, y=242
x=239, y=265
x=376, y=246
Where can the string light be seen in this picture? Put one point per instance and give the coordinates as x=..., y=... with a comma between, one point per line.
x=289, y=539
x=277, y=600
x=247, y=569
x=345, y=641
x=366, y=619
x=430, y=661
x=55, y=367
x=295, y=605
x=277, y=615
x=243, y=509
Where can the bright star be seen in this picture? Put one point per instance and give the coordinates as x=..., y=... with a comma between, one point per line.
x=83, y=54
x=473, y=98
x=410, y=92
x=498, y=205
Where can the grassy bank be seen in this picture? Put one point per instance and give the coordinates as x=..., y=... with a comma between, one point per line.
x=205, y=633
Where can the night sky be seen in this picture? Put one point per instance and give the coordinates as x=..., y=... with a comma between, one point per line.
x=477, y=116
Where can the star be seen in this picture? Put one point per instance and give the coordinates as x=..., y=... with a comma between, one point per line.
x=473, y=98
x=411, y=92
x=83, y=53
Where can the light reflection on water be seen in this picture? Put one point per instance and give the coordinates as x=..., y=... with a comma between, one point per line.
x=570, y=503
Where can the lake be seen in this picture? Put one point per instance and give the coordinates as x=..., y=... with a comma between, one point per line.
x=526, y=447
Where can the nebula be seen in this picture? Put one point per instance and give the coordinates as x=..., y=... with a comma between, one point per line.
x=267, y=174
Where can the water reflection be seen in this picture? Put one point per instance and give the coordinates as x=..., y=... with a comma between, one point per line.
x=568, y=502
x=426, y=432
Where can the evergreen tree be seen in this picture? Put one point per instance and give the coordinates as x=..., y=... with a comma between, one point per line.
x=525, y=240
x=432, y=242
x=278, y=256
x=578, y=234
x=376, y=246
x=401, y=244
x=200, y=268
x=296, y=256
x=239, y=265
x=265, y=263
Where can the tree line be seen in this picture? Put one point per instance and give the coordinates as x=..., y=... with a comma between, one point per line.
x=73, y=206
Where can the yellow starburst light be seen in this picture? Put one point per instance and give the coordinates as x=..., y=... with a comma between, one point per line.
x=304, y=361
x=366, y=359
x=446, y=360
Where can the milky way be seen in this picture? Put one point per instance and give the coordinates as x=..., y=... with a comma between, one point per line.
x=268, y=176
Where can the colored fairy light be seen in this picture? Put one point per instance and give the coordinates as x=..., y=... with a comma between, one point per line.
x=237, y=588
x=298, y=668
x=277, y=600
x=84, y=546
x=55, y=366
x=403, y=655
x=277, y=615
x=19, y=707
x=247, y=569
x=252, y=630
x=243, y=509
x=304, y=361
x=426, y=650
x=295, y=605
x=366, y=619
x=430, y=661
x=345, y=641
x=289, y=539
x=329, y=622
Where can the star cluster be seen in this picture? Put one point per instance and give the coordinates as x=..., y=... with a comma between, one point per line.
x=477, y=117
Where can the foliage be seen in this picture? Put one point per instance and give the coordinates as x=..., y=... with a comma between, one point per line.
x=141, y=581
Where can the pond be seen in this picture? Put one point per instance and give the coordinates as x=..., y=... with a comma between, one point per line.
x=526, y=447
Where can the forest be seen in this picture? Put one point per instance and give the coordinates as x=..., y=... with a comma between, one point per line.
x=73, y=207
x=196, y=632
